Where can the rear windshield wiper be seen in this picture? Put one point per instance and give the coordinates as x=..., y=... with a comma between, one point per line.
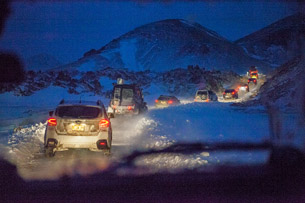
x=85, y=117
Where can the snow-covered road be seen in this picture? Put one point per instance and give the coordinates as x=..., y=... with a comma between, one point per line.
x=192, y=122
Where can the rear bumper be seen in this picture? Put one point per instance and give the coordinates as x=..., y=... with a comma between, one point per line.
x=230, y=97
x=201, y=100
x=64, y=142
x=122, y=110
x=161, y=105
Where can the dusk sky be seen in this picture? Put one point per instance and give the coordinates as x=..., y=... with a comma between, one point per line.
x=68, y=30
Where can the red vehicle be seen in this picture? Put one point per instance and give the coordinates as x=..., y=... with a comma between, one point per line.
x=252, y=70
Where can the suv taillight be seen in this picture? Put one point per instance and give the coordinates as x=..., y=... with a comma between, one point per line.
x=130, y=108
x=52, y=122
x=104, y=123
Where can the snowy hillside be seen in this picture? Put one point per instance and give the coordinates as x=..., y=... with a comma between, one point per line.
x=41, y=62
x=166, y=45
x=179, y=81
x=277, y=43
x=284, y=87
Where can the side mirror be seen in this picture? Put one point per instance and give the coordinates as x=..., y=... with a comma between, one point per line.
x=51, y=113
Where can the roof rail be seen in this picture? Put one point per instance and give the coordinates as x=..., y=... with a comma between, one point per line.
x=62, y=101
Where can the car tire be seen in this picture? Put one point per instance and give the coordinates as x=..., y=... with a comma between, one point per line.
x=49, y=152
x=107, y=152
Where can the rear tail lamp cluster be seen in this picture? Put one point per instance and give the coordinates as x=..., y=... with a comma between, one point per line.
x=52, y=122
x=104, y=123
x=130, y=108
x=102, y=144
x=156, y=100
x=223, y=93
x=233, y=92
x=170, y=102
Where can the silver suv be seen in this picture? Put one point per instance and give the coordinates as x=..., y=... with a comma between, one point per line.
x=205, y=96
x=127, y=99
x=78, y=125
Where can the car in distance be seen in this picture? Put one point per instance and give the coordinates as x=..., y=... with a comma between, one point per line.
x=165, y=101
x=205, y=96
x=252, y=69
x=126, y=99
x=230, y=94
x=254, y=75
x=76, y=125
x=252, y=80
x=243, y=87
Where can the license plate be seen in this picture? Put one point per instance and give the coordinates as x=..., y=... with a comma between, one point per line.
x=163, y=102
x=77, y=127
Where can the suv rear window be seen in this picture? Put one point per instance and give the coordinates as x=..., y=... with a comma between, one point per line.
x=202, y=93
x=117, y=93
x=229, y=91
x=127, y=94
x=164, y=98
x=77, y=112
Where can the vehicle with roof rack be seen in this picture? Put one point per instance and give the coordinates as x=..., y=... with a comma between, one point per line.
x=205, y=96
x=76, y=125
x=126, y=99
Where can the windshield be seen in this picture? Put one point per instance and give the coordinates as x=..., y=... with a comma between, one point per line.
x=125, y=54
x=77, y=112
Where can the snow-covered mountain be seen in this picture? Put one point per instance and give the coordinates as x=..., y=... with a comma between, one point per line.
x=277, y=43
x=41, y=62
x=167, y=45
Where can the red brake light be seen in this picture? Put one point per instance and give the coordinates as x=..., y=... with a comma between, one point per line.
x=104, y=123
x=233, y=92
x=52, y=122
x=130, y=108
x=223, y=93
x=156, y=100
x=102, y=143
x=254, y=80
x=170, y=102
